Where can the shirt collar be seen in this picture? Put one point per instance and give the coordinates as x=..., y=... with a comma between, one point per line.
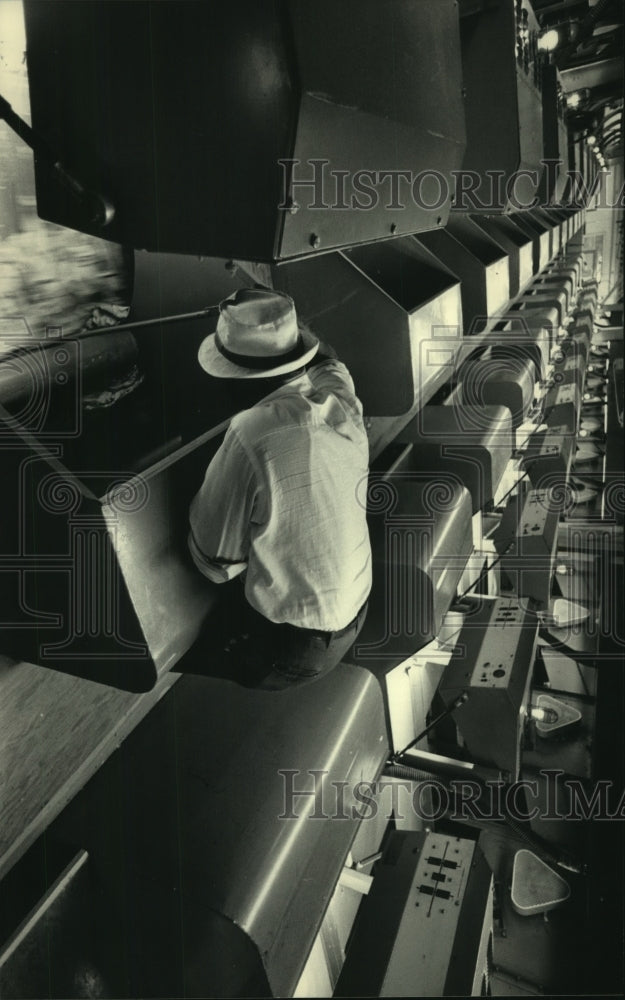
x=298, y=385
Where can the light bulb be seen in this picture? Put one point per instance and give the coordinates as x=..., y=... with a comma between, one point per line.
x=546, y=715
x=548, y=41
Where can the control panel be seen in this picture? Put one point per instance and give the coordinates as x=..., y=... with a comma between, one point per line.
x=426, y=926
x=492, y=663
x=423, y=946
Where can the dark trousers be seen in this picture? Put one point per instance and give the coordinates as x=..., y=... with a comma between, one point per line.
x=241, y=645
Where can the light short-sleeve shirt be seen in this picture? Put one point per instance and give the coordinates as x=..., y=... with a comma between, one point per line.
x=284, y=501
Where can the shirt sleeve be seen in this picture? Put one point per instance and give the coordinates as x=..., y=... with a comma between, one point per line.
x=220, y=514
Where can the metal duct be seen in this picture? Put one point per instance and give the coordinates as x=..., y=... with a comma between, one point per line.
x=215, y=128
x=479, y=262
x=499, y=381
x=391, y=310
x=516, y=245
x=503, y=105
x=421, y=538
x=472, y=443
x=555, y=137
x=221, y=863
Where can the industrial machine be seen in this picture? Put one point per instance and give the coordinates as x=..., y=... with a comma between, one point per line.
x=426, y=926
x=473, y=443
x=540, y=235
x=210, y=840
x=516, y=244
x=88, y=526
x=499, y=381
x=519, y=334
x=391, y=310
x=216, y=877
x=301, y=114
x=421, y=538
x=504, y=106
x=548, y=456
x=526, y=540
x=492, y=663
x=480, y=263
x=563, y=404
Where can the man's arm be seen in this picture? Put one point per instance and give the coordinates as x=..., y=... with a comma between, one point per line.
x=220, y=514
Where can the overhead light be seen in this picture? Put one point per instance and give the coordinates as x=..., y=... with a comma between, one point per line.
x=591, y=140
x=548, y=41
x=574, y=99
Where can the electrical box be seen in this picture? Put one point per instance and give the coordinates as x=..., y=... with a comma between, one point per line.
x=548, y=456
x=570, y=372
x=426, y=927
x=567, y=400
x=492, y=663
x=527, y=542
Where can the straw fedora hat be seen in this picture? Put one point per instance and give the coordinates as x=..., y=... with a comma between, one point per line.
x=257, y=336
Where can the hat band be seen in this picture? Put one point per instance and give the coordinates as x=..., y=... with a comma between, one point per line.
x=259, y=363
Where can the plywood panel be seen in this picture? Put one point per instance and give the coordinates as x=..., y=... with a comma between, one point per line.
x=55, y=731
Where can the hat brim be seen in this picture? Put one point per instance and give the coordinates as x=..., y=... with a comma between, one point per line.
x=214, y=363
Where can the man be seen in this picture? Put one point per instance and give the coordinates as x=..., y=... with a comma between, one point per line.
x=282, y=503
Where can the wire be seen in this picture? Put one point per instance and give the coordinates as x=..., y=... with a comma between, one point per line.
x=464, y=697
x=512, y=488
x=484, y=573
x=538, y=844
x=96, y=331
